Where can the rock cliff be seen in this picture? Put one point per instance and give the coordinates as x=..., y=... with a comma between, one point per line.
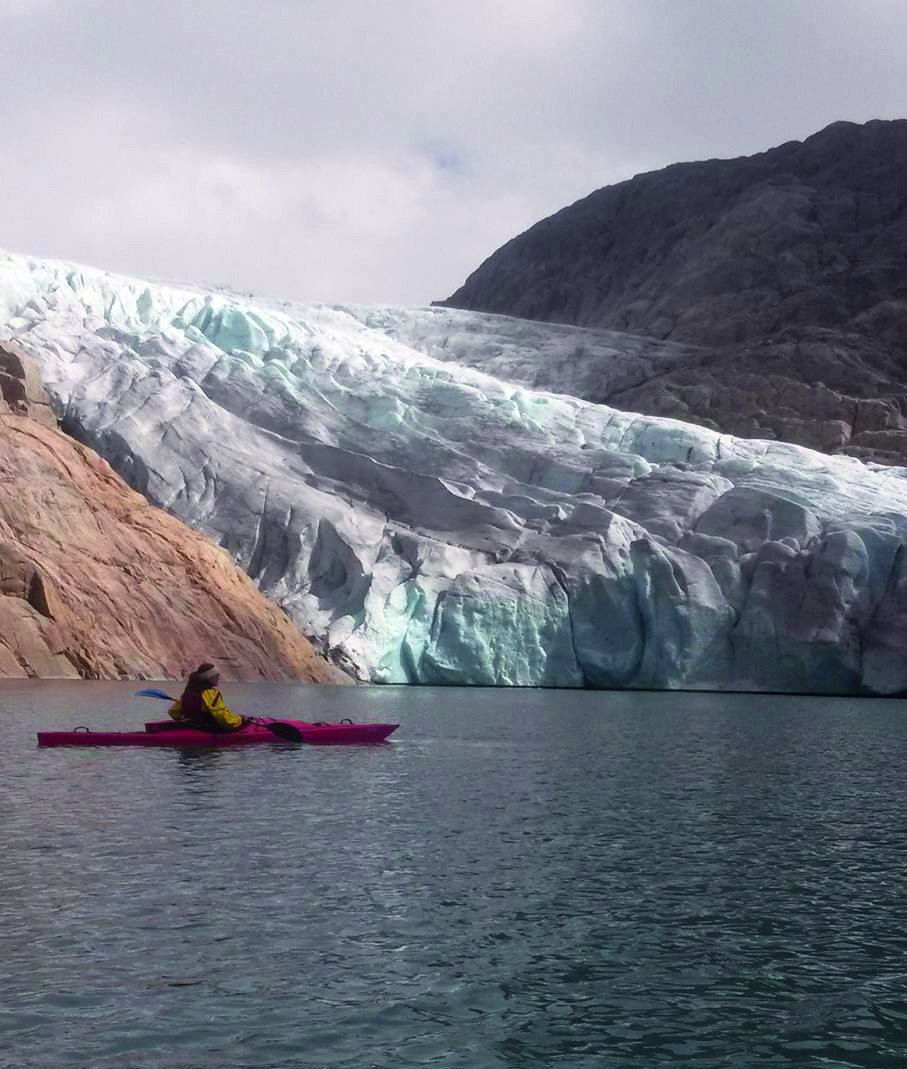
x=788, y=271
x=97, y=583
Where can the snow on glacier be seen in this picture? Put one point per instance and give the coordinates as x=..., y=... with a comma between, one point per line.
x=586, y=362
x=424, y=521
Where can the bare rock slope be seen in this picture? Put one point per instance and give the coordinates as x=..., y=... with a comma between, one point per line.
x=95, y=582
x=788, y=270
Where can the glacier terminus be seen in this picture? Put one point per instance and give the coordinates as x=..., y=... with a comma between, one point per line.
x=425, y=517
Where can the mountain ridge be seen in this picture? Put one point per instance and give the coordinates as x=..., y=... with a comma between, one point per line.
x=790, y=264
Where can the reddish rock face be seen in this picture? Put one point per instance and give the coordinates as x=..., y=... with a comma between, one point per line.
x=21, y=390
x=97, y=583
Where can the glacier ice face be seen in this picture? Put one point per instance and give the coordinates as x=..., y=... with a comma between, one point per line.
x=427, y=522
x=592, y=363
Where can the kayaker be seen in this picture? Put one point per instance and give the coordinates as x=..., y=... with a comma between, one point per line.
x=202, y=704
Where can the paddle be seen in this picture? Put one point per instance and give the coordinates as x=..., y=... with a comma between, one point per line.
x=282, y=731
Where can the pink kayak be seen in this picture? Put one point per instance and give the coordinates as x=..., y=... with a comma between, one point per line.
x=164, y=733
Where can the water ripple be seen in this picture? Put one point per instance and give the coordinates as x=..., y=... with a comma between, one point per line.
x=522, y=879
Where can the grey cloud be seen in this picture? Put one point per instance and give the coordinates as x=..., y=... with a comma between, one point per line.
x=363, y=151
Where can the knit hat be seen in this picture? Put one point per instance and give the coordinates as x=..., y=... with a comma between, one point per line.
x=206, y=673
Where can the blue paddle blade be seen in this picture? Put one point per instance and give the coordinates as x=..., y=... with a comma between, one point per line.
x=152, y=693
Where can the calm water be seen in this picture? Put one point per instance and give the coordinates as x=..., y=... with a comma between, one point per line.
x=522, y=878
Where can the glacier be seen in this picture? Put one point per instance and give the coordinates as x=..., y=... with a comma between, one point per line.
x=428, y=521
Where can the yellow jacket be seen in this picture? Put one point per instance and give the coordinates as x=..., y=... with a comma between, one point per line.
x=213, y=708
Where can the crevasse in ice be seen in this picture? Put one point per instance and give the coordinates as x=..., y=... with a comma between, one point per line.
x=426, y=521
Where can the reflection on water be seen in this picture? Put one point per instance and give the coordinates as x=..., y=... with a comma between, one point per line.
x=195, y=762
x=520, y=879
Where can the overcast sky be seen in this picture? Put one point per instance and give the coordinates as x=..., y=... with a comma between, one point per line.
x=379, y=150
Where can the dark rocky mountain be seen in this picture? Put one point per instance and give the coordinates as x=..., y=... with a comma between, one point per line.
x=788, y=271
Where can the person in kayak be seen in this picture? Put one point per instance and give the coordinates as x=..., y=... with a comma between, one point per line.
x=202, y=705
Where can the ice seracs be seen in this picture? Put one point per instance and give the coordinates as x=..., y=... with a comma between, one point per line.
x=427, y=522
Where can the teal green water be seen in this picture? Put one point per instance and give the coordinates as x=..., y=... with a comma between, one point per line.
x=520, y=879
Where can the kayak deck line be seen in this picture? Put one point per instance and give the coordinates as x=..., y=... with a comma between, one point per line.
x=166, y=733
